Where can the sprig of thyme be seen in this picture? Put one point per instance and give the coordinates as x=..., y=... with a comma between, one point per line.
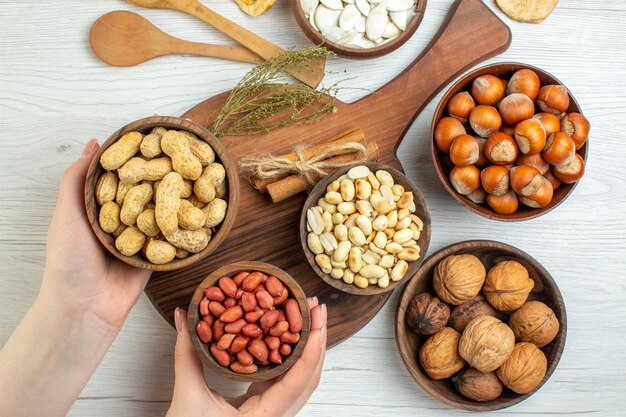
x=262, y=101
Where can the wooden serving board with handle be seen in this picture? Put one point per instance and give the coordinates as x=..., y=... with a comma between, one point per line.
x=268, y=232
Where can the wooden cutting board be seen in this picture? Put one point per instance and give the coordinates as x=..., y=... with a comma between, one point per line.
x=269, y=232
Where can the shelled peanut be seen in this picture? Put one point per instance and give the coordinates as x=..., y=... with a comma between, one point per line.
x=163, y=194
x=249, y=319
x=364, y=230
x=512, y=141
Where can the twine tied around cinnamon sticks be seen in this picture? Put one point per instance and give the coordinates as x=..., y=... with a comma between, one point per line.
x=311, y=169
x=287, y=175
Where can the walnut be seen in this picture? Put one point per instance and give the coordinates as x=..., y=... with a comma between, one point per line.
x=507, y=285
x=486, y=343
x=534, y=322
x=466, y=312
x=477, y=385
x=524, y=370
x=439, y=355
x=427, y=314
x=458, y=278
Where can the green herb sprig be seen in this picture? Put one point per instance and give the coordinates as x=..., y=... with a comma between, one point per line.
x=263, y=101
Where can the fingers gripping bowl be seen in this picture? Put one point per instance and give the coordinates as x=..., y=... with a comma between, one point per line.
x=364, y=228
x=161, y=193
x=249, y=321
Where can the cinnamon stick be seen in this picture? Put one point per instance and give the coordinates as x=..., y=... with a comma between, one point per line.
x=294, y=184
x=354, y=134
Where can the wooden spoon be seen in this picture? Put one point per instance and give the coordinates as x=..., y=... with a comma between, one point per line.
x=310, y=74
x=124, y=39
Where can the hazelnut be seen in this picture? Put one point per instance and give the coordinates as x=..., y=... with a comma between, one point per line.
x=477, y=385
x=507, y=285
x=459, y=278
x=466, y=312
x=534, y=322
x=439, y=355
x=427, y=314
x=524, y=370
x=486, y=343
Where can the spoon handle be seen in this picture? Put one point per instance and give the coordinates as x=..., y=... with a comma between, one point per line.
x=233, y=53
x=311, y=76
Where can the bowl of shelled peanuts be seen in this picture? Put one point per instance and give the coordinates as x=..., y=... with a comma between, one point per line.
x=481, y=326
x=161, y=193
x=364, y=228
x=509, y=141
x=249, y=321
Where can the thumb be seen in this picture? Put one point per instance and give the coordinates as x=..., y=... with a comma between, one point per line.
x=187, y=367
x=73, y=181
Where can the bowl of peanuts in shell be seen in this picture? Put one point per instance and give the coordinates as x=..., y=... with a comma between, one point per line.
x=249, y=321
x=162, y=193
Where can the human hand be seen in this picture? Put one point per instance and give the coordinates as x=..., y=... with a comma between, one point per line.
x=80, y=275
x=280, y=397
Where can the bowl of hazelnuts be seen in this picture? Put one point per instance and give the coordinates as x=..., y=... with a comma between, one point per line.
x=509, y=141
x=481, y=326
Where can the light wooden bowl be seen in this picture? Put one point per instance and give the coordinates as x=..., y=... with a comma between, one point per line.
x=358, y=53
x=144, y=126
x=421, y=211
x=442, y=162
x=489, y=252
x=264, y=372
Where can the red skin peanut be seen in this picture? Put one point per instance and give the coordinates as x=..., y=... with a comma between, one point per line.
x=252, y=330
x=216, y=308
x=258, y=349
x=279, y=328
x=269, y=318
x=294, y=317
x=225, y=341
x=235, y=327
x=254, y=316
x=275, y=357
x=285, y=349
x=214, y=294
x=252, y=281
x=204, y=332
x=222, y=357
x=239, y=277
x=245, y=358
x=232, y=314
x=239, y=343
x=264, y=299
x=241, y=369
x=218, y=329
x=228, y=286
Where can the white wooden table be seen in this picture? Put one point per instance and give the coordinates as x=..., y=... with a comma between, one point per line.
x=55, y=95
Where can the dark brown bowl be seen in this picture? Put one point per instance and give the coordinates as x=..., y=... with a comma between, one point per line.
x=489, y=252
x=144, y=126
x=264, y=372
x=421, y=211
x=358, y=53
x=442, y=161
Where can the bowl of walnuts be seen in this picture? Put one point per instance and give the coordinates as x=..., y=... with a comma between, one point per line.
x=509, y=141
x=481, y=326
x=162, y=193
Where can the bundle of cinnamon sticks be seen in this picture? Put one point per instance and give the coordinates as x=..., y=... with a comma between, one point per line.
x=282, y=187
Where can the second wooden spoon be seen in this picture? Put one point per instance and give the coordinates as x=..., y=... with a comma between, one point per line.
x=124, y=39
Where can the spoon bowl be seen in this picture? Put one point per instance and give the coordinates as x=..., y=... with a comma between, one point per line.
x=124, y=39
